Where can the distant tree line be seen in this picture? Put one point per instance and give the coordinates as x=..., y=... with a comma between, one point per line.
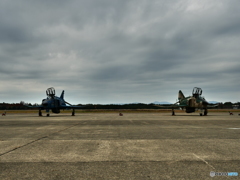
x=24, y=106
x=16, y=106
x=226, y=105
x=123, y=106
x=229, y=105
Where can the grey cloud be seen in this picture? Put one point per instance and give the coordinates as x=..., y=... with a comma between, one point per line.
x=119, y=51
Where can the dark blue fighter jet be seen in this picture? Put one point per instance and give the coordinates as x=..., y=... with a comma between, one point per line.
x=55, y=104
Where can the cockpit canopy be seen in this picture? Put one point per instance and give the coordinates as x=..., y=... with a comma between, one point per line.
x=197, y=92
x=50, y=92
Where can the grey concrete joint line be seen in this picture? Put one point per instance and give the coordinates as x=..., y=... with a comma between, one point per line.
x=37, y=140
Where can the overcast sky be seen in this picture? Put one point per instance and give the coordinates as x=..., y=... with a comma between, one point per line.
x=119, y=51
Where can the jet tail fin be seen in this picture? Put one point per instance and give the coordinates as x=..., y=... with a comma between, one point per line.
x=62, y=95
x=180, y=95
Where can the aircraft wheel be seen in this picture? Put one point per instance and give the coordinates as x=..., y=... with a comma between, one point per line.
x=200, y=114
x=40, y=113
x=73, y=114
x=47, y=115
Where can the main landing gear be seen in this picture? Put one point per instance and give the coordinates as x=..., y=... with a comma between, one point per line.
x=201, y=114
x=40, y=112
x=73, y=112
x=205, y=112
x=47, y=111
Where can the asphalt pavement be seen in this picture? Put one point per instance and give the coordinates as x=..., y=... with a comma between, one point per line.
x=109, y=146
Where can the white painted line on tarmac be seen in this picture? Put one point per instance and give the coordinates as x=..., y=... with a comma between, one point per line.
x=203, y=161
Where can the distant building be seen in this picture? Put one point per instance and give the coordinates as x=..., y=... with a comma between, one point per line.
x=235, y=106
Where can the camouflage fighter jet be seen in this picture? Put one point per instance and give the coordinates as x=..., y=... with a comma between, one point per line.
x=192, y=103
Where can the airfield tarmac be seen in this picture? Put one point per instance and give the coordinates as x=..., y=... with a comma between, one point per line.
x=109, y=146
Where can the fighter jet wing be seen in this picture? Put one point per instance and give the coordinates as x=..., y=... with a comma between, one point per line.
x=212, y=106
x=170, y=106
x=71, y=107
x=39, y=106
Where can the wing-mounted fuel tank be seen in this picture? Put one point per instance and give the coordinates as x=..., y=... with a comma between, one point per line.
x=190, y=109
x=55, y=110
x=55, y=105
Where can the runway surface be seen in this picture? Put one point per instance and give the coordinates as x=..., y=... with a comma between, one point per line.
x=109, y=146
